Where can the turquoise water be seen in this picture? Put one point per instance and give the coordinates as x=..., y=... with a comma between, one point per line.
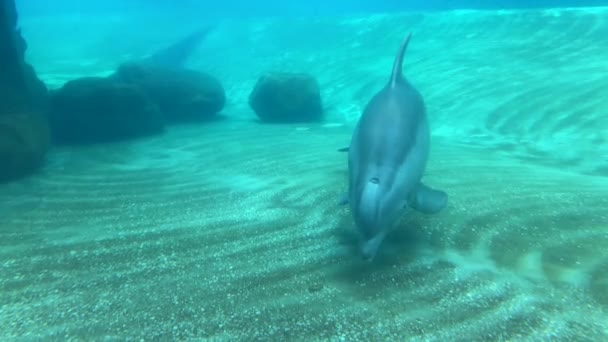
x=229, y=230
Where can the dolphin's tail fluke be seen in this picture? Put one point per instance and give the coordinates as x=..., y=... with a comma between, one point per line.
x=176, y=55
x=397, y=66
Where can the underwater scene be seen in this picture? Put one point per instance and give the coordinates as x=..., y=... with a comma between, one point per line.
x=305, y=171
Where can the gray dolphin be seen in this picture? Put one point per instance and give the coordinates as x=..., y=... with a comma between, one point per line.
x=387, y=157
x=176, y=55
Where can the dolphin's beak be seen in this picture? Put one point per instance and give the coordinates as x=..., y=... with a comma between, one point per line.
x=370, y=247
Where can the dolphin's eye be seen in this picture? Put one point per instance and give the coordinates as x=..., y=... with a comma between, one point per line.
x=374, y=180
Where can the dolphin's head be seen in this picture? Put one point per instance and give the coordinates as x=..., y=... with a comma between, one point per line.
x=369, y=246
x=371, y=237
x=375, y=209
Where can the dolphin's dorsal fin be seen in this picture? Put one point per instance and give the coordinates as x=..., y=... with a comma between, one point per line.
x=397, y=73
x=176, y=55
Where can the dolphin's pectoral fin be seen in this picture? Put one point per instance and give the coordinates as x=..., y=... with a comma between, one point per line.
x=427, y=200
x=344, y=199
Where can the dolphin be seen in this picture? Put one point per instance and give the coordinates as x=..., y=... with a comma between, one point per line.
x=387, y=157
x=176, y=55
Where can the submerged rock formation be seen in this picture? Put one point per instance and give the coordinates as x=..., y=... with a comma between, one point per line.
x=24, y=131
x=286, y=98
x=24, y=141
x=181, y=94
x=137, y=99
x=97, y=109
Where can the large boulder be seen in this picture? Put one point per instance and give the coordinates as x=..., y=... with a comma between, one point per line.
x=286, y=98
x=24, y=141
x=20, y=88
x=22, y=91
x=96, y=109
x=12, y=46
x=181, y=94
x=24, y=131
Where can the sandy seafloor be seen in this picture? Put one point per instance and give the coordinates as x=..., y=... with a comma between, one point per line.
x=229, y=230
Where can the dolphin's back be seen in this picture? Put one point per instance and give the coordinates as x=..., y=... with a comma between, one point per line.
x=391, y=134
x=392, y=117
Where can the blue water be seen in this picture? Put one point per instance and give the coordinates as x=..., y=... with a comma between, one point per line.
x=238, y=8
x=228, y=229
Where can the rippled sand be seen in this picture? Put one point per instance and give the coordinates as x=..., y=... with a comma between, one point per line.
x=230, y=230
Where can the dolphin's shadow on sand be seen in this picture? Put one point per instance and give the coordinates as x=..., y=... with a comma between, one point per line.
x=402, y=246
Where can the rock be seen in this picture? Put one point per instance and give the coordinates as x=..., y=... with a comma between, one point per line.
x=181, y=94
x=8, y=13
x=39, y=98
x=20, y=89
x=286, y=98
x=96, y=109
x=24, y=130
x=24, y=141
x=11, y=49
